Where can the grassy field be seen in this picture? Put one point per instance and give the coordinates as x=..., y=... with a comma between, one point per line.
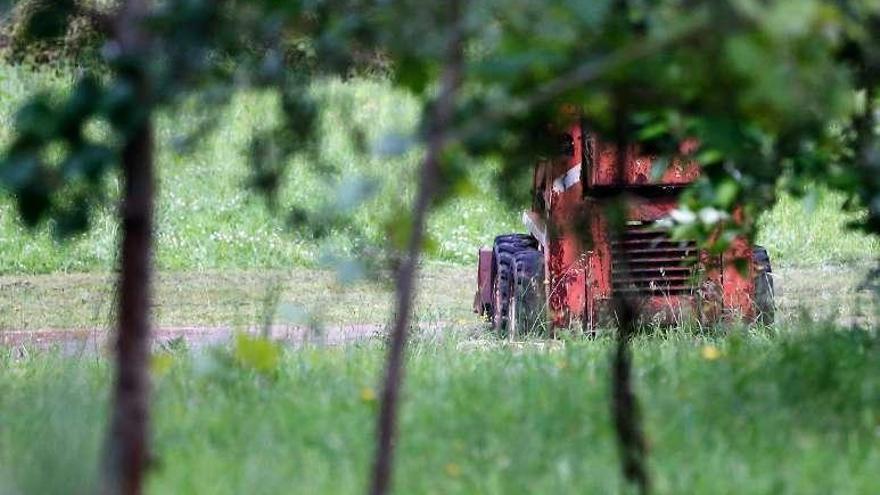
x=795, y=409
x=793, y=412
x=220, y=251
x=208, y=220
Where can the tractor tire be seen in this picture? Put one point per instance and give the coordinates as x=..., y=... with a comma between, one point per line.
x=504, y=253
x=513, y=243
x=502, y=286
x=526, y=313
x=765, y=307
x=523, y=239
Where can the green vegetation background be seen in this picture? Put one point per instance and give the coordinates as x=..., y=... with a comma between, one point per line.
x=787, y=410
x=207, y=219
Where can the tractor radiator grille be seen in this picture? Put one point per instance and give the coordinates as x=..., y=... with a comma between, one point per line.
x=646, y=261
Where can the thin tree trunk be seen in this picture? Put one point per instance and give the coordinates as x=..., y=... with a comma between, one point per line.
x=127, y=450
x=624, y=403
x=866, y=144
x=386, y=427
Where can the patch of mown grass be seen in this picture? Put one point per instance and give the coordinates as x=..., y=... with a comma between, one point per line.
x=238, y=299
x=232, y=298
x=207, y=219
x=793, y=411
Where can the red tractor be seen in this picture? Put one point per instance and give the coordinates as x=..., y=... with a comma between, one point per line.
x=570, y=266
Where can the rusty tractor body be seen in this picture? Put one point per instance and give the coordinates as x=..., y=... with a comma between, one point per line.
x=572, y=265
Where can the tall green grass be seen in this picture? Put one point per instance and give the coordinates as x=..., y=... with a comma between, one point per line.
x=797, y=412
x=207, y=219
x=815, y=231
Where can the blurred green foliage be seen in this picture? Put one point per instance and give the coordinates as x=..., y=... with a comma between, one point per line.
x=207, y=220
x=260, y=355
x=778, y=93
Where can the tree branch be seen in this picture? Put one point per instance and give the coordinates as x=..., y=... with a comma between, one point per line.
x=437, y=138
x=127, y=450
x=584, y=73
x=625, y=409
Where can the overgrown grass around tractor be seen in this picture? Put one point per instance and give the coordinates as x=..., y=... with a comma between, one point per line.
x=208, y=220
x=796, y=411
x=815, y=231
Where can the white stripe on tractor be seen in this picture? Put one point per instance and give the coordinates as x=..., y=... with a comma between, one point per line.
x=567, y=180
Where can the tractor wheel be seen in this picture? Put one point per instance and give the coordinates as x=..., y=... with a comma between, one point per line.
x=502, y=286
x=526, y=311
x=764, y=302
x=515, y=239
x=504, y=254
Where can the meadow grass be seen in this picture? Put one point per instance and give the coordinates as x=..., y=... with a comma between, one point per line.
x=208, y=220
x=815, y=231
x=796, y=411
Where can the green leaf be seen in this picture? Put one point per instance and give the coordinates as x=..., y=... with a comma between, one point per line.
x=709, y=157
x=19, y=170
x=89, y=161
x=33, y=203
x=412, y=73
x=36, y=121
x=83, y=102
x=742, y=266
x=398, y=231
x=726, y=193
x=256, y=353
x=119, y=105
x=653, y=131
x=72, y=220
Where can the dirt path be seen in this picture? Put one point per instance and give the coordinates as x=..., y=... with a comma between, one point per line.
x=71, y=342
x=213, y=307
